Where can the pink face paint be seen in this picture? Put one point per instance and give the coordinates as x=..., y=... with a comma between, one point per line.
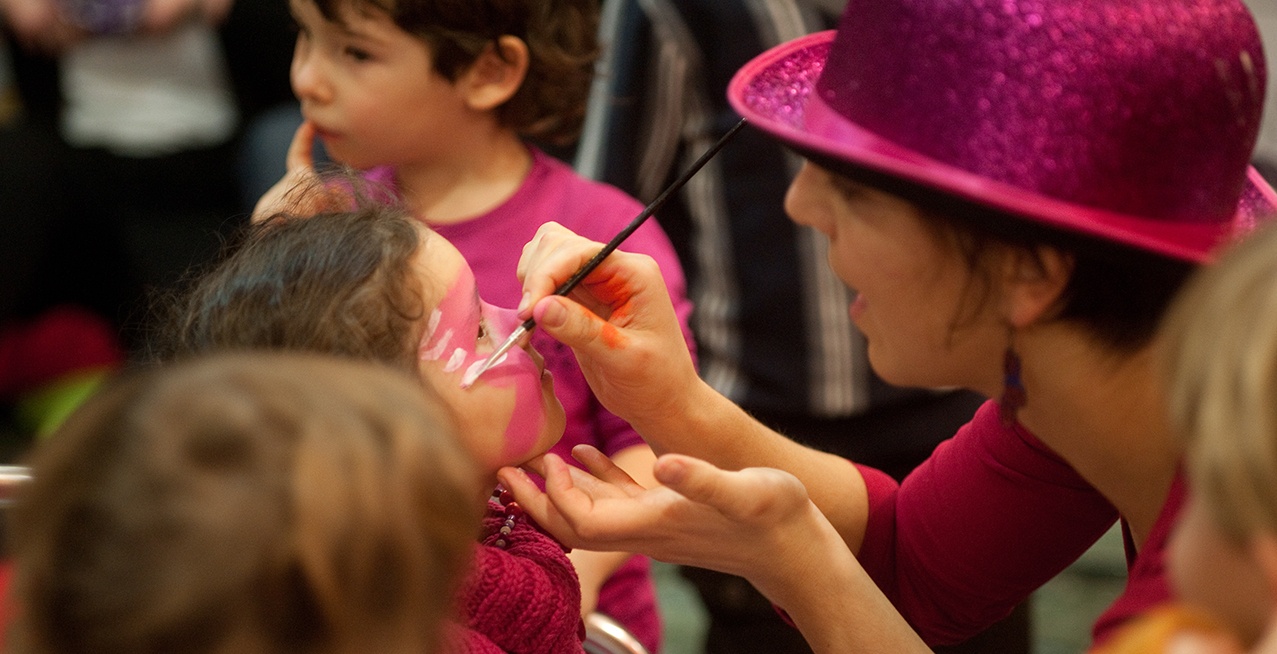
x=452, y=339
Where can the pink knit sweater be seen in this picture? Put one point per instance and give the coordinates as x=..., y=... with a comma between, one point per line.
x=524, y=597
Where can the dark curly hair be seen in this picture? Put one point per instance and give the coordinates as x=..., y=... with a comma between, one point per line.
x=561, y=36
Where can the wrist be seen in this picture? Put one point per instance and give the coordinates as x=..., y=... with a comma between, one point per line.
x=688, y=411
x=827, y=594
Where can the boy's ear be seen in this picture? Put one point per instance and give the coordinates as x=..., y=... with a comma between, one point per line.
x=1034, y=281
x=496, y=75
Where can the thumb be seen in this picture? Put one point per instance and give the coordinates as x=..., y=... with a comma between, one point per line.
x=568, y=322
x=754, y=495
x=301, y=150
x=694, y=479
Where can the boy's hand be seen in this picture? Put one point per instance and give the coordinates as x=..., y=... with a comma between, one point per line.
x=300, y=173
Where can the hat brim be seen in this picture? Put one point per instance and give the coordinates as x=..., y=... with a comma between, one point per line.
x=775, y=92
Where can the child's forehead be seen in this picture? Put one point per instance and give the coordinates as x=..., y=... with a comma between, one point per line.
x=445, y=267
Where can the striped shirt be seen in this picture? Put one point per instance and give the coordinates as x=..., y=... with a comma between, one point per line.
x=771, y=319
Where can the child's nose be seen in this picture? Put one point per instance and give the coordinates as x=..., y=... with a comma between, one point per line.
x=308, y=79
x=502, y=321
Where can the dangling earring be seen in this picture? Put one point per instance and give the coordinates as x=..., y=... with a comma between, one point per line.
x=1013, y=396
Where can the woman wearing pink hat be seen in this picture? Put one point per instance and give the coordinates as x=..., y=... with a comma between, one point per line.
x=1016, y=189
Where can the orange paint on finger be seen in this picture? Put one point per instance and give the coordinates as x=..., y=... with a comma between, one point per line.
x=614, y=292
x=612, y=337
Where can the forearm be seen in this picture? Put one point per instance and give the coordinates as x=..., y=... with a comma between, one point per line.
x=830, y=598
x=709, y=426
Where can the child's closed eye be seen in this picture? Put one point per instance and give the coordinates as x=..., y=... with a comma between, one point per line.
x=358, y=54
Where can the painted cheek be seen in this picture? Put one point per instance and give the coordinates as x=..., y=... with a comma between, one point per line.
x=450, y=338
x=451, y=328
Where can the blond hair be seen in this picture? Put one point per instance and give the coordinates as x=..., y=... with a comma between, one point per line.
x=1221, y=368
x=252, y=502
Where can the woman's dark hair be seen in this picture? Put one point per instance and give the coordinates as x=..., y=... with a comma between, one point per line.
x=338, y=283
x=1118, y=293
x=562, y=41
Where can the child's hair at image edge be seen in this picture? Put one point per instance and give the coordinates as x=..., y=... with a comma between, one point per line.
x=561, y=36
x=1221, y=371
x=255, y=502
x=339, y=282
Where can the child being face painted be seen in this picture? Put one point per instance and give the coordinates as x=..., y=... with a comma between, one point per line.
x=511, y=413
x=372, y=283
x=375, y=284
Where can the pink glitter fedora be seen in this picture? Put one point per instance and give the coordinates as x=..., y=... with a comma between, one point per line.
x=1128, y=120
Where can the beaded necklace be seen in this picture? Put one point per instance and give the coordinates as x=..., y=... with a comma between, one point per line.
x=512, y=513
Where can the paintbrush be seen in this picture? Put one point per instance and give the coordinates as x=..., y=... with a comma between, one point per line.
x=593, y=263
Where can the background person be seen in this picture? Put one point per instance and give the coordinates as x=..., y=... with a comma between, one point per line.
x=247, y=502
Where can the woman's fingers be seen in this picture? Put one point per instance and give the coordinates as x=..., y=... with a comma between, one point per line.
x=538, y=503
x=552, y=256
x=605, y=469
x=757, y=495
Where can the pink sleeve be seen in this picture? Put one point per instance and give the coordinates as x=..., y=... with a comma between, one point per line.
x=459, y=640
x=524, y=597
x=988, y=518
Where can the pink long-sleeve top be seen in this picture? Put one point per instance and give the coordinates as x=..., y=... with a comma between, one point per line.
x=523, y=598
x=987, y=519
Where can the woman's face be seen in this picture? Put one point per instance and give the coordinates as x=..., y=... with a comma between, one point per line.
x=510, y=414
x=914, y=289
x=1218, y=575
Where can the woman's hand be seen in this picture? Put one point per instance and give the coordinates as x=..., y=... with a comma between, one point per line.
x=757, y=523
x=735, y=522
x=619, y=321
x=299, y=164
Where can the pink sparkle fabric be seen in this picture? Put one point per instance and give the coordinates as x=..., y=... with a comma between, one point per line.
x=1131, y=120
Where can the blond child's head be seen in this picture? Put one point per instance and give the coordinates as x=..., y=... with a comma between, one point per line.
x=256, y=502
x=1220, y=340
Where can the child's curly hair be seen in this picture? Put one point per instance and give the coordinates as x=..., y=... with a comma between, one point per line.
x=562, y=41
x=332, y=274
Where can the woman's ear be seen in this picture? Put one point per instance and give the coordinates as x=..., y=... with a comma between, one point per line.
x=1034, y=280
x=496, y=75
